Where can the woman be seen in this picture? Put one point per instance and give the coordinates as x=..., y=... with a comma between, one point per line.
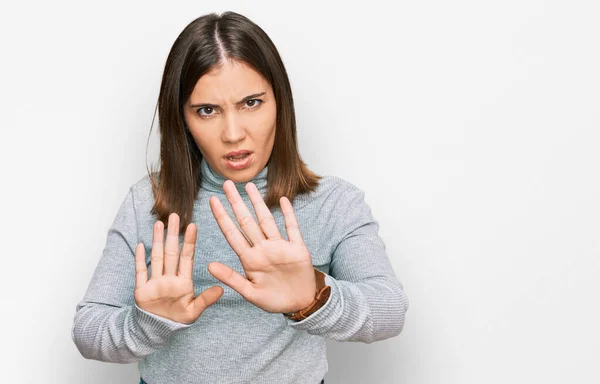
x=247, y=303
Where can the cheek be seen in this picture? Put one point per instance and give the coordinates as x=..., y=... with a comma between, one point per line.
x=188, y=117
x=264, y=128
x=203, y=138
x=265, y=121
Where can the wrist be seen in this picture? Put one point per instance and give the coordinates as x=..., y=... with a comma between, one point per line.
x=308, y=294
x=322, y=292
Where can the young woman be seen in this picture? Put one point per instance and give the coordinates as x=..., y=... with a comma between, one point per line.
x=274, y=259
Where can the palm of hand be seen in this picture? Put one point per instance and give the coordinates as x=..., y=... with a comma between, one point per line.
x=170, y=290
x=276, y=269
x=279, y=273
x=166, y=295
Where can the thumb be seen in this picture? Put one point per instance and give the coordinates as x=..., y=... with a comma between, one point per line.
x=206, y=299
x=232, y=279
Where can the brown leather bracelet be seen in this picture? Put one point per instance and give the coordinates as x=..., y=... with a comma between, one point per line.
x=321, y=297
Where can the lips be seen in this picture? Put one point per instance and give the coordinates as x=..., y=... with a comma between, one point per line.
x=237, y=153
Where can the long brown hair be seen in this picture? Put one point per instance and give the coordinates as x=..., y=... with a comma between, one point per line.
x=201, y=46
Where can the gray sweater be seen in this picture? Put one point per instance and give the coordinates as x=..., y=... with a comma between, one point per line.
x=234, y=341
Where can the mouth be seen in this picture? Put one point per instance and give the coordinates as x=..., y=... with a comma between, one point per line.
x=237, y=155
x=239, y=162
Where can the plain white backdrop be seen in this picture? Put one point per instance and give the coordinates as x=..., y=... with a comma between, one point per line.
x=472, y=127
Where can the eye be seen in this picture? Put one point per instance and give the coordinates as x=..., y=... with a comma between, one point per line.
x=253, y=103
x=208, y=111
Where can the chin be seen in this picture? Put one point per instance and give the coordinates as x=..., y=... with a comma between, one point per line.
x=240, y=176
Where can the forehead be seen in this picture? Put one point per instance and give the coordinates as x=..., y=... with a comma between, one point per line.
x=230, y=82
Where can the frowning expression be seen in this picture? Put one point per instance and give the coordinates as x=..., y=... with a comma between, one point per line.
x=233, y=108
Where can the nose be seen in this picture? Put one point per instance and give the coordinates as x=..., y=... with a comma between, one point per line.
x=234, y=130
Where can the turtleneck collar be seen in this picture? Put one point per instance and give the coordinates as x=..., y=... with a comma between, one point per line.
x=213, y=182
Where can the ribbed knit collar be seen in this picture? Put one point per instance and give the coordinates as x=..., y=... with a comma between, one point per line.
x=213, y=182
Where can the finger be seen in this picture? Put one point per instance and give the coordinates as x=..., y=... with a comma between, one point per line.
x=206, y=299
x=242, y=213
x=232, y=279
x=141, y=270
x=233, y=235
x=186, y=261
x=291, y=223
x=156, y=256
x=172, y=245
x=265, y=218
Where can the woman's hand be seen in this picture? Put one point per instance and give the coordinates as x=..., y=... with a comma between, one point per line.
x=170, y=291
x=279, y=273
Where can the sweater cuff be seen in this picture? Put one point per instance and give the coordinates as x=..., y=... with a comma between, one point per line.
x=325, y=316
x=156, y=328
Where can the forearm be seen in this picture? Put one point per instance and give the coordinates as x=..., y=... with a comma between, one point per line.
x=120, y=334
x=364, y=311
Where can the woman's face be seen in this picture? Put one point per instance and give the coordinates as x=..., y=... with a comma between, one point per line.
x=232, y=108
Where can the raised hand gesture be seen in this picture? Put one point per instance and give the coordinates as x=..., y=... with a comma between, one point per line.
x=170, y=290
x=279, y=273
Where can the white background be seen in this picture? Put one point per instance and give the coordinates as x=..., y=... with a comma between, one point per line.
x=472, y=126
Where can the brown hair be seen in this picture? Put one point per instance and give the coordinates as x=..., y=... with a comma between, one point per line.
x=201, y=46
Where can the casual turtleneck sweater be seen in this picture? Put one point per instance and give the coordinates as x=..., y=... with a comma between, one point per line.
x=233, y=341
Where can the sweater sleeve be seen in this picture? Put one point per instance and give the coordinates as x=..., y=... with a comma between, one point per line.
x=108, y=325
x=367, y=302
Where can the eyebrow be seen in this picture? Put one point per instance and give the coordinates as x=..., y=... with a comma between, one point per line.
x=249, y=97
